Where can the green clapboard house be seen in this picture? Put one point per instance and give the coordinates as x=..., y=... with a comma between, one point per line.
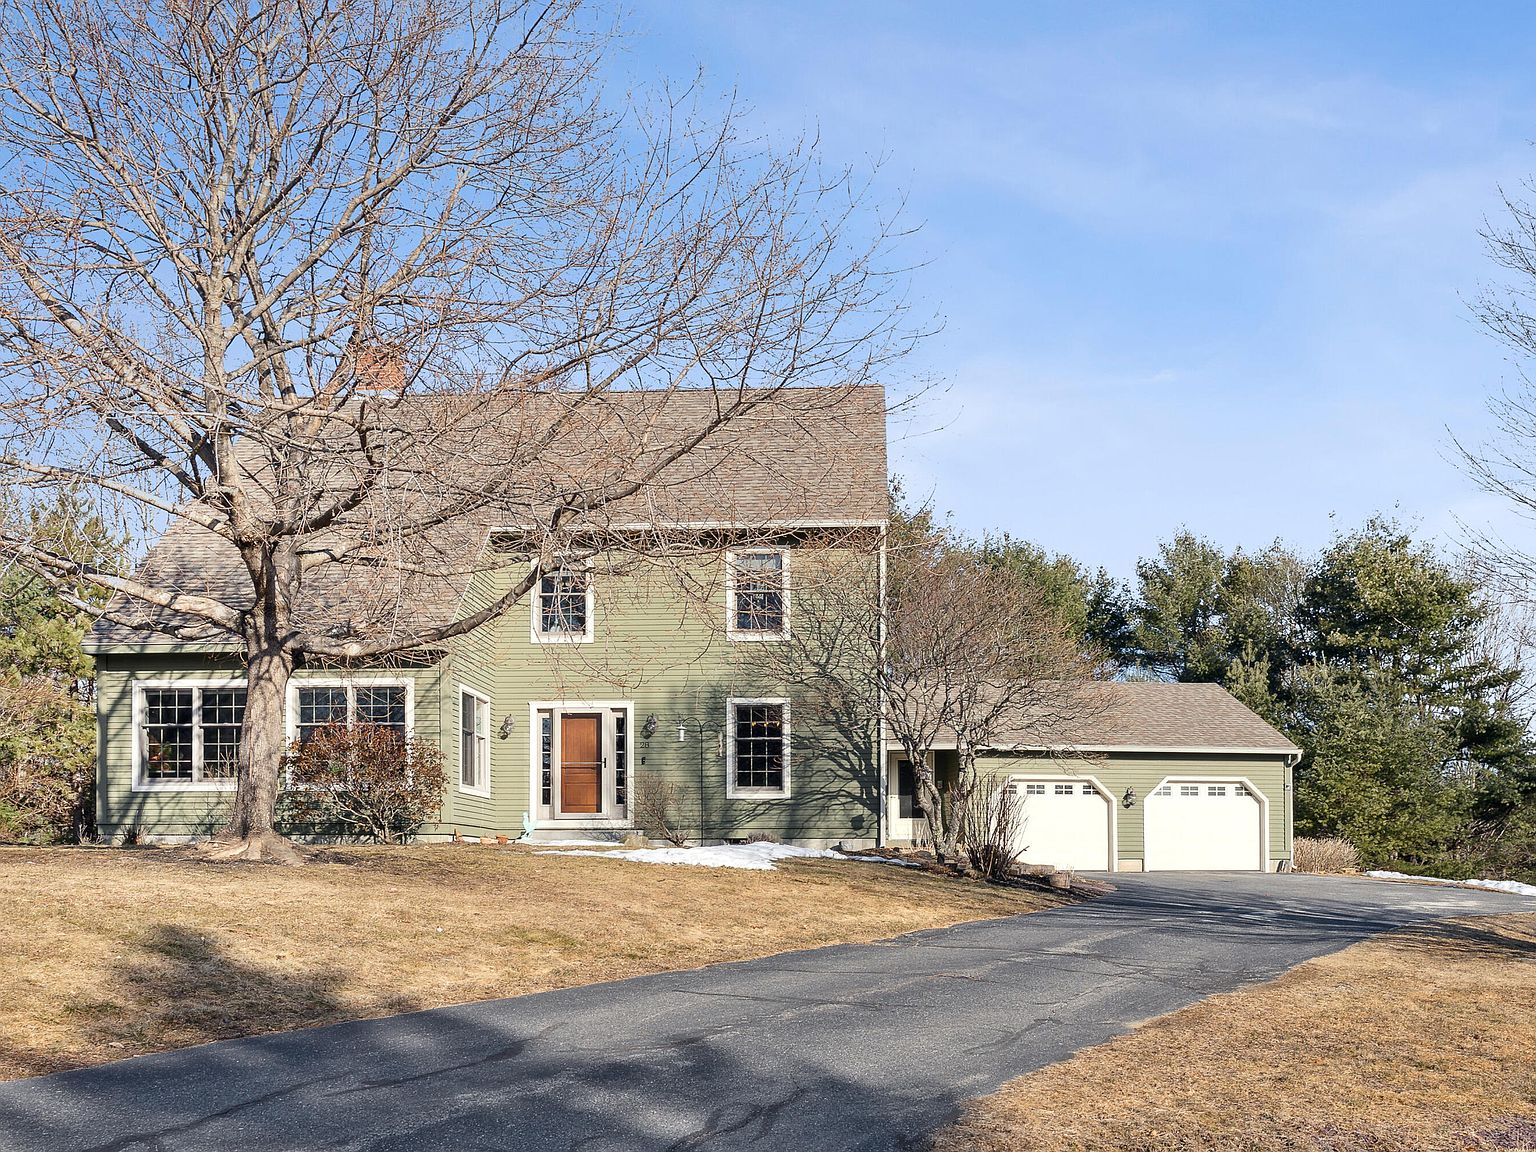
x=609, y=681
x=672, y=674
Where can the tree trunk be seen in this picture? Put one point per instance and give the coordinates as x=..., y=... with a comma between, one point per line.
x=249, y=835
x=933, y=804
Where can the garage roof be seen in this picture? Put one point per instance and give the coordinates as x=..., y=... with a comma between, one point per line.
x=1156, y=716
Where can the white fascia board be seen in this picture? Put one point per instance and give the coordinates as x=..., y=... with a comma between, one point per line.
x=1181, y=750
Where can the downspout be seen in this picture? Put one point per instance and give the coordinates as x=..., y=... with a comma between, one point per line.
x=1288, y=788
x=880, y=758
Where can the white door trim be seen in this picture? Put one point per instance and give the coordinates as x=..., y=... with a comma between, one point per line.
x=605, y=709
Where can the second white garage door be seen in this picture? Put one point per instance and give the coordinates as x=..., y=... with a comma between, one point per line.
x=1066, y=824
x=1209, y=825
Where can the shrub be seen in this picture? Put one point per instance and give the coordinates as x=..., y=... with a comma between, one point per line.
x=364, y=782
x=1330, y=854
x=654, y=808
x=993, y=821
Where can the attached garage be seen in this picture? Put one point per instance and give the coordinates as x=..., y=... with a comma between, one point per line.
x=1170, y=777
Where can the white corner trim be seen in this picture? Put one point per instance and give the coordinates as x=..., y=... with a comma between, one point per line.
x=463, y=691
x=535, y=614
x=732, y=792
x=752, y=635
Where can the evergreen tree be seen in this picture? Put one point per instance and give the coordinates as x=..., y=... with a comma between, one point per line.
x=47, y=724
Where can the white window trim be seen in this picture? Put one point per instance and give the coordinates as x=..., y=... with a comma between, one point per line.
x=366, y=680
x=751, y=635
x=731, y=791
x=140, y=751
x=480, y=698
x=535, y=613
x=604, y=819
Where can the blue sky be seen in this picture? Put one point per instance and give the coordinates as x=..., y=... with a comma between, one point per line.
x=1200, y=265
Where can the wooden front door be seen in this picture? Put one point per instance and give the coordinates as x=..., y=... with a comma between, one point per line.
x=581, y=764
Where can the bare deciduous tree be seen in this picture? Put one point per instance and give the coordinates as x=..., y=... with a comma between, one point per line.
x=339, y=287
x=966, y=652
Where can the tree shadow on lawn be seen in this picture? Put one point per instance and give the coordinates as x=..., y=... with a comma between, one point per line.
x=176, y=987
x=1503, y=939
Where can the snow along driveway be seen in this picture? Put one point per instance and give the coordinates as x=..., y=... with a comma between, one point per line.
x=851, y=1047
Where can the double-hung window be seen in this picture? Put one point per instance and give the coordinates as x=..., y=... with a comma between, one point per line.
x=757, y=748
x=474, y=742
x=758, y=594
x=562, y=607
x=316, y=705
x=189, y=736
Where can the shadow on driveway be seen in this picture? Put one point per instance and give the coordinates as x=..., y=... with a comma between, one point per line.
x=851, y=1047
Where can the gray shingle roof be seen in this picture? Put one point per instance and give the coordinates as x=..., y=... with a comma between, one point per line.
x=814, y=456
x=1164, y=716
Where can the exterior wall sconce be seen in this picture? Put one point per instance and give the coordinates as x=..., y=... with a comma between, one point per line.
x=682, y=733
x=648, y=728
x=1129, y=799
x=506, y=726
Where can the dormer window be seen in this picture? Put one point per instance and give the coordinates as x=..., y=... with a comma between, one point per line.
x=757, y=594
x=562, y=607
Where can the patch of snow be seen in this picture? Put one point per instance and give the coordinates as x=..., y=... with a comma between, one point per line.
x=573, y=843
x=757, y=857
x=880, y=860
x=1514, y=887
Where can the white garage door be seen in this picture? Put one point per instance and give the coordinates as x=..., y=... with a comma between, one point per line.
x=1204, y=825
x=1065, y=824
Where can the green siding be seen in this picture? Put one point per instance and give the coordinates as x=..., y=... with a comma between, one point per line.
x=659, y=642
x=1143, y=771
x=185, y=812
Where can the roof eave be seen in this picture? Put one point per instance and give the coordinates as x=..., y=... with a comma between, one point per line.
x=1166, y=749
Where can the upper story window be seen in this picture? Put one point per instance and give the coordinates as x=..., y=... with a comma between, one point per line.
x=189, y=736
x=562, y=607
x=757, y=748
x=758, y=594
x=316, y=705
x=474, y=742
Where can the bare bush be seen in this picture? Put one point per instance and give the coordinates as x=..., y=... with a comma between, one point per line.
x=1332, y=854
x=993, y=820
x=654, y=809
x=364, y=782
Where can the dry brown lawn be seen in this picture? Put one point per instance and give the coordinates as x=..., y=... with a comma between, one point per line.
x=1423, y=1041
x=113, y=952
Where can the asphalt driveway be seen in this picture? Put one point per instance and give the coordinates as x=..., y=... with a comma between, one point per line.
x=852, y=1047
